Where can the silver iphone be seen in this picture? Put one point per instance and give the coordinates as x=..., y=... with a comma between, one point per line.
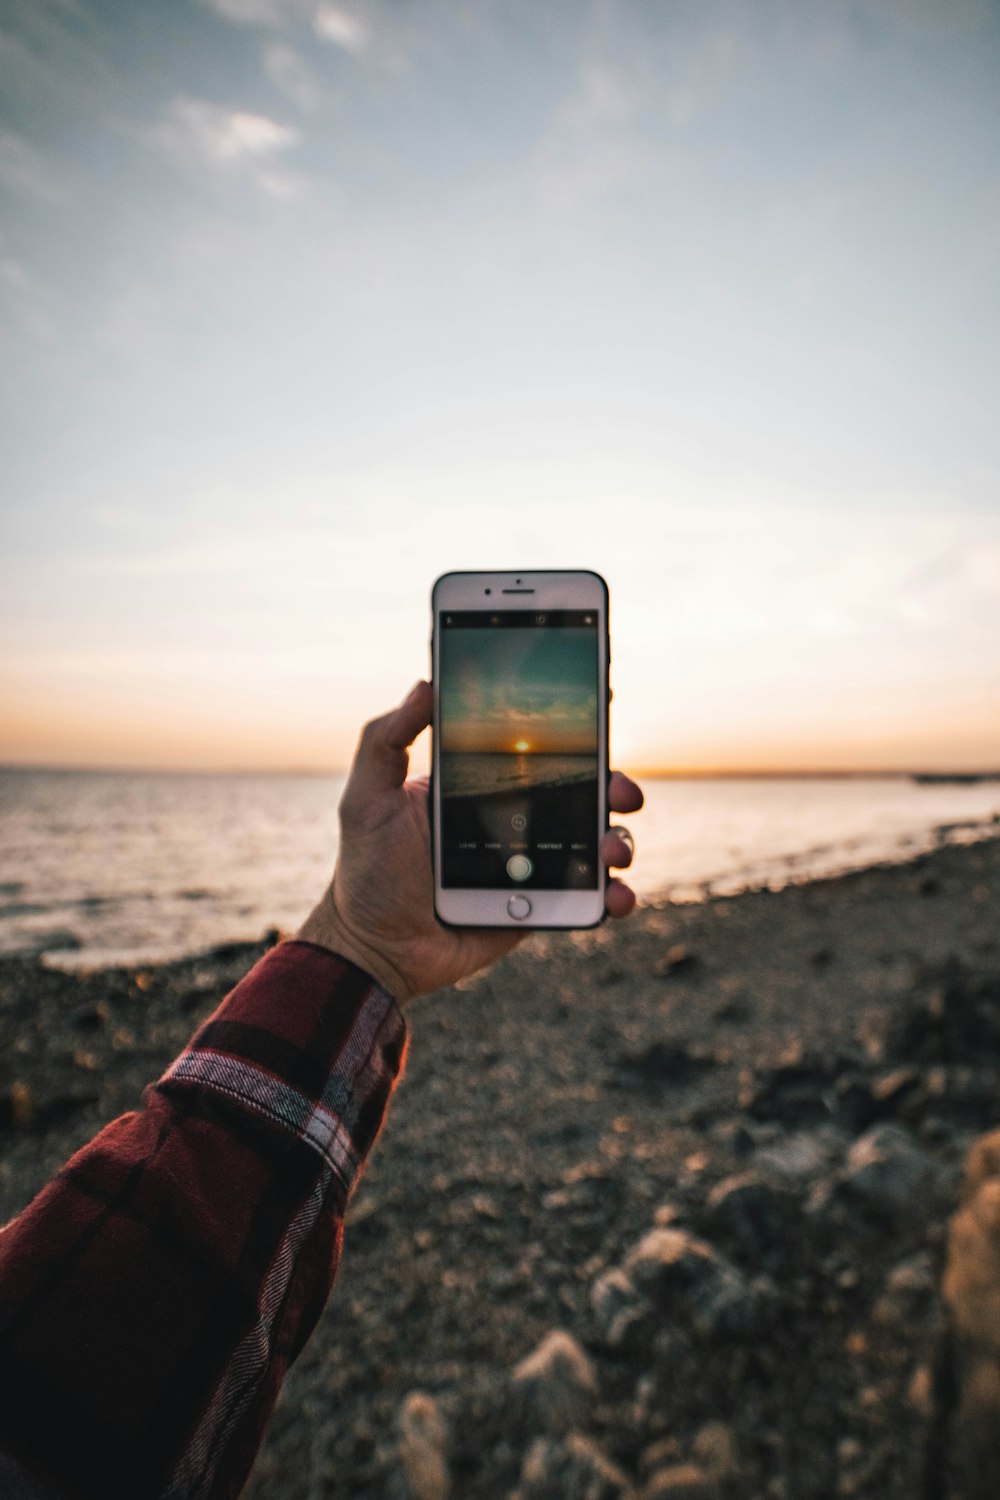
x=520, y=748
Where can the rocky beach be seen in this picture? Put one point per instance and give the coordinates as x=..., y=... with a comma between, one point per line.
x=660, y=1210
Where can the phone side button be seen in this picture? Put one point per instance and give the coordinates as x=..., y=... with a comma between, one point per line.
x=519, y=907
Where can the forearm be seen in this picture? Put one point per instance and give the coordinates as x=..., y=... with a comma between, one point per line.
x=156, y=1292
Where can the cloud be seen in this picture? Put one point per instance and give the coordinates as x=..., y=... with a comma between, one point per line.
x=377, y=32
x=331, y=23
x=251, y=12
x=225, y=135
x=25, y=170
x=197, y=132
x=334, y=24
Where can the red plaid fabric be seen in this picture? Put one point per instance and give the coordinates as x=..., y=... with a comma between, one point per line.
x=155, y=1293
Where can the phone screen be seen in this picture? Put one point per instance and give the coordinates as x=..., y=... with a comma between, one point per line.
x=519, y=739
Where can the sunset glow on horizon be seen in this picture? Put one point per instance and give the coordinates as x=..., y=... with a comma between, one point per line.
x=305, y=304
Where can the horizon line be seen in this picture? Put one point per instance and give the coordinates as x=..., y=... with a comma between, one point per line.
x=744, y=773
x=647, y=773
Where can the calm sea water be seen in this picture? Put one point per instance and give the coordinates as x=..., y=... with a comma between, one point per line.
x=464, y=774
x=102, y=867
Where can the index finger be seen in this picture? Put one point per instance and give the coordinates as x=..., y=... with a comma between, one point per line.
x=381, y=759
x=411, y=717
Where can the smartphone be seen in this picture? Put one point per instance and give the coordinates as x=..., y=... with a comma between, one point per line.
x=519, y=780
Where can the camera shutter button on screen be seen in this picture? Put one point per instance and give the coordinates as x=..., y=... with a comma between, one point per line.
x=519, y=907
x=519, y=867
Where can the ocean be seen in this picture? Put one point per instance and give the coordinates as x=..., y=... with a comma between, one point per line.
x=468, y=774
x=116, y=867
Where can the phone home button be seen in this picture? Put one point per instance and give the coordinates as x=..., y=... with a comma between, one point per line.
x=519, y=907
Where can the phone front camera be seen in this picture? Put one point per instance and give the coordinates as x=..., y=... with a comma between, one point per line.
x=489, y=591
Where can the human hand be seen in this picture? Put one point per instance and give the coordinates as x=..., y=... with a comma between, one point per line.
x=378, y=910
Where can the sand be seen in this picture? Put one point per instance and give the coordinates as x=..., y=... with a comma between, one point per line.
x=590, y=1087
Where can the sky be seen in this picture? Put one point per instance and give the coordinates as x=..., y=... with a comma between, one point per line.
x=533, y=691
x=304, y=304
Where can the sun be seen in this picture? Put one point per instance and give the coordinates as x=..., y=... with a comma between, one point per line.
x=522, y=745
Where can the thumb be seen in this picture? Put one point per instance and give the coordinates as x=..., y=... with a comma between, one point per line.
x=380, y=761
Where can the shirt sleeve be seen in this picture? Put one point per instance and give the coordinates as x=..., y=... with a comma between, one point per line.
x=153, y=1296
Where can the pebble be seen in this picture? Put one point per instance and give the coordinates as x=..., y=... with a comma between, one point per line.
x=678, y=960
x=909, y=1293
x=714, y=1448
x=423, y=1445
x=712, y=1462
x=680, y=1482
x=621, y=1313
x=18, y=1106
x=571, y=1468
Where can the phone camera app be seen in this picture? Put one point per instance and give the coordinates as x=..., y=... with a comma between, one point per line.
x=518, y=749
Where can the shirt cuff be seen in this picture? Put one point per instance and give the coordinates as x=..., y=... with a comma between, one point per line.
x=307, y=1042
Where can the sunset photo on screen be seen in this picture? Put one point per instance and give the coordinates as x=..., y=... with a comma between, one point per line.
x=518, y=707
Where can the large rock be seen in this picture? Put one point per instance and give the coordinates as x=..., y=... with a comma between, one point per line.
x=797, y=1157
x=971, y=1290
x=754, y=1214
x=554, y=1388
x=889, y=1173
x=689, y=1280
x=571, y=1468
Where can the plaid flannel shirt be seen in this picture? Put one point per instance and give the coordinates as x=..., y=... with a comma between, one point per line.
x=153, y=1296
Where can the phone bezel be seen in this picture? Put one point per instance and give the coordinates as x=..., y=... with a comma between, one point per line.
x=550, y=590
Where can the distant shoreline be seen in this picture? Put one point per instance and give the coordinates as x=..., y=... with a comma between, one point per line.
x=240, y=948
x=77, y=961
